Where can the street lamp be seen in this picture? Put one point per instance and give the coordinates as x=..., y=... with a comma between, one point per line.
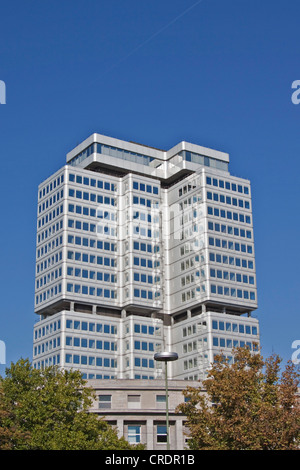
x=166, y=357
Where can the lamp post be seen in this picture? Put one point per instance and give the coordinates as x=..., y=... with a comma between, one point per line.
x=166, y=357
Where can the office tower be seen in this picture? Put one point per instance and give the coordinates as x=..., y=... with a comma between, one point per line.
x=141, y=250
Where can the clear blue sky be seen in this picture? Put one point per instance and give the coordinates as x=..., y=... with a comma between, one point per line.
x=216, y=73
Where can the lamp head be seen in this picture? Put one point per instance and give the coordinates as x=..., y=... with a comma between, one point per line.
x=166, y=356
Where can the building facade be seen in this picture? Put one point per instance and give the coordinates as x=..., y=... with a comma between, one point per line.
x=141, y=250
x=137, y=410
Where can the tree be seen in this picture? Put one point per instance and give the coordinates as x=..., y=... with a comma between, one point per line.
x=52, y=406
x=11, y=436
x=245, y=406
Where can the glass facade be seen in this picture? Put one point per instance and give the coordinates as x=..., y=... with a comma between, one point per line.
x=204, y=160
x=112, y=152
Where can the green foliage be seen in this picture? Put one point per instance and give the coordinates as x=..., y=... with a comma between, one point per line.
x=50, y=411
x=11, y=436
x=245, y=406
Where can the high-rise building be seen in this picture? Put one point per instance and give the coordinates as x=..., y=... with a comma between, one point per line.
x=141, y=250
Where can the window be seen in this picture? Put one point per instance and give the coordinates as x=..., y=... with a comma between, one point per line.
x=105, y=402
x=161, y=435
x=68, y=358
x=144, y=329
x=161, y=401
x=134, y=434
x=134, y=401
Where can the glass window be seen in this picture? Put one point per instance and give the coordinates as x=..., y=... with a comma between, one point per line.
x=134, y=401
x=144, y=329
x=160, y=398
x=144, y=362
x=134, y=434
x=68, y=358
x=84, y=360
x=76, y=359
x=104, y=401
x=161, y=435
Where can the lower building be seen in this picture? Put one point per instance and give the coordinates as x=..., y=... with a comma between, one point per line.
x=137, y=409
